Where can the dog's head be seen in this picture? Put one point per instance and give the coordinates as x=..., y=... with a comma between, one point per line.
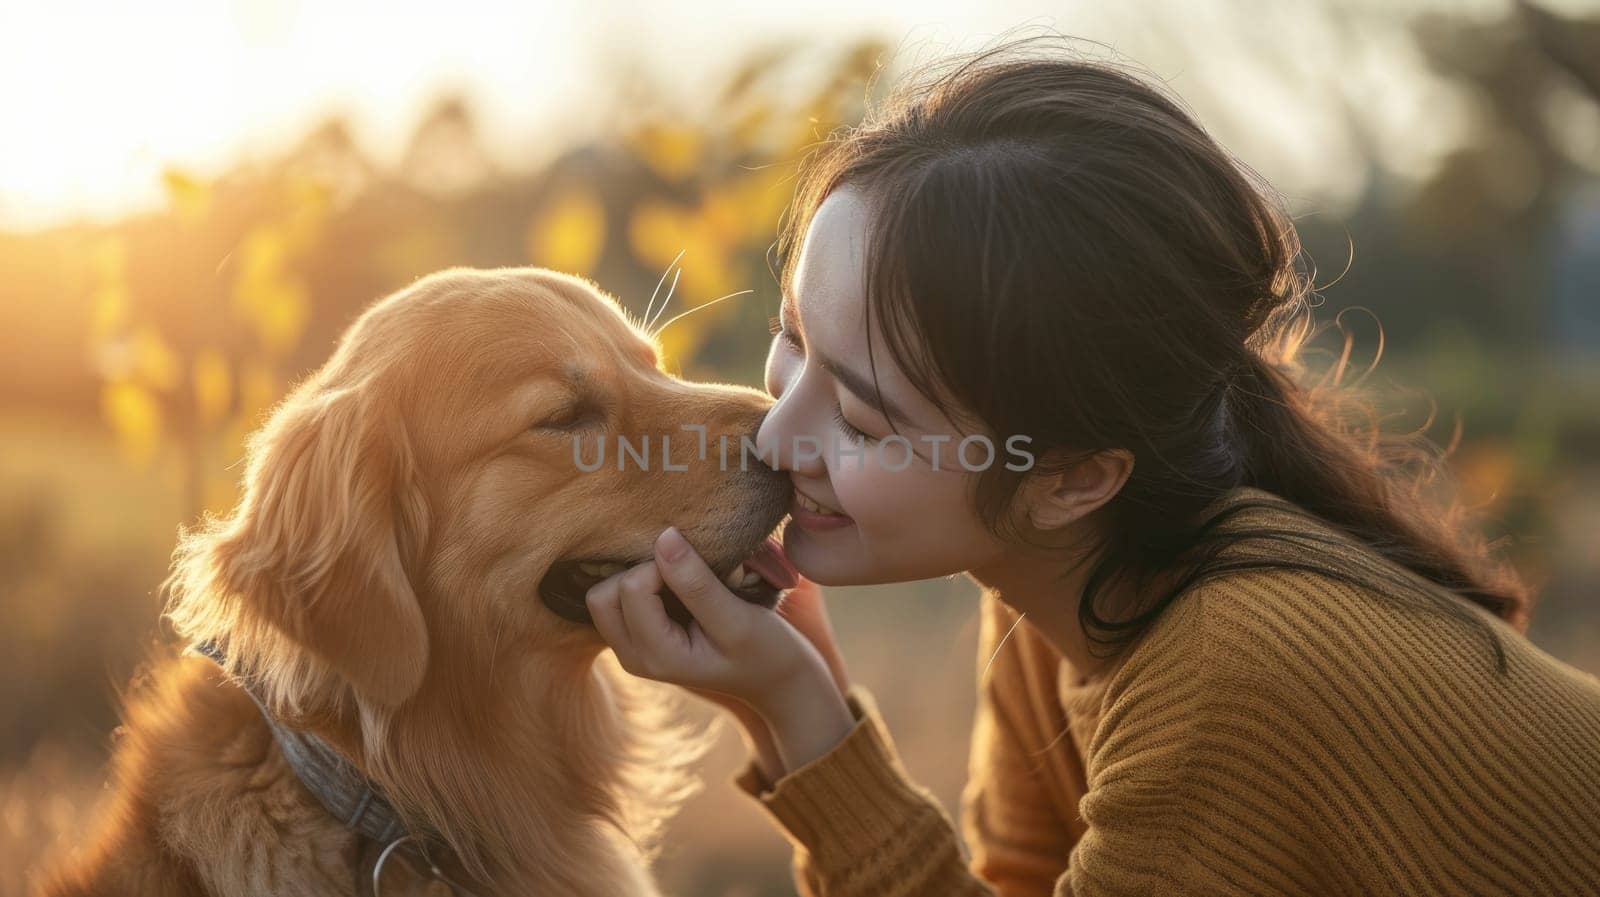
x=434, y=487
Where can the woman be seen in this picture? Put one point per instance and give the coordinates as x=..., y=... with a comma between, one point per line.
x=1227, y=647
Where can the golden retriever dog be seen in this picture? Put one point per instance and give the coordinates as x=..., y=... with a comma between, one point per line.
x=402, y=582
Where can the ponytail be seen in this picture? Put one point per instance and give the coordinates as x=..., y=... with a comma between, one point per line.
x=1298, y=447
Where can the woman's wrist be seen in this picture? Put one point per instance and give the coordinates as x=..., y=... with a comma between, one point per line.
x=763, y=751
x=806, y=719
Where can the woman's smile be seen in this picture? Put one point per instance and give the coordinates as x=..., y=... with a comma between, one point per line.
x=810, y=514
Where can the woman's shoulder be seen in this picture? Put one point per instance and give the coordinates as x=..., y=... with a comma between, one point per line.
x=1276, y=618
x=1280, y=700
x=1288, y=636
x=1284, y=572
x=1283, y=622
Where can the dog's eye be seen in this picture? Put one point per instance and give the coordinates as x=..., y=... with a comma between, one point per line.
x=572, y=417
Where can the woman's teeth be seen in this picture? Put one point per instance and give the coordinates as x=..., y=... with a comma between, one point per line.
x=804, y=502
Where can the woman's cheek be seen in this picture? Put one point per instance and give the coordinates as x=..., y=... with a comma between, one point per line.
x=879, y=497
x=912, y=524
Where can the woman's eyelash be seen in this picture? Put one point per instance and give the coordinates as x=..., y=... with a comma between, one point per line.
x=776, y=328
x=851, y=431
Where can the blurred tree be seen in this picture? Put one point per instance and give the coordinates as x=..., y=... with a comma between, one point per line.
x=156, y=390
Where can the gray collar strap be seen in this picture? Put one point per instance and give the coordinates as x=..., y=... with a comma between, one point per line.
x=343, y=791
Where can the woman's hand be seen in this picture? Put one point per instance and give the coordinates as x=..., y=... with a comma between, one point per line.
x=770, y=662
x=804, y=608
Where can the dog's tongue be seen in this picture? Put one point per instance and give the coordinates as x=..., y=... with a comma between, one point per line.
x=773, y=565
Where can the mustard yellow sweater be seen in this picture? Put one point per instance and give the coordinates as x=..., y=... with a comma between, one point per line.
x=1275, y=732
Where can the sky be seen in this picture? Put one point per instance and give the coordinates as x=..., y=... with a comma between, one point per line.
x=98, y=98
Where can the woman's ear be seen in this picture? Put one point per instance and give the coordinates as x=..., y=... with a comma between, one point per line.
x=317, y=548
x=1061, y=497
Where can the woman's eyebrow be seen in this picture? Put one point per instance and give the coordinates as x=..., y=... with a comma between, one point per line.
x=861, y=387
x=788, y=311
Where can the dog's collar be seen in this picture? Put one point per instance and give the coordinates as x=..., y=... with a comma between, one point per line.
x=343, y=791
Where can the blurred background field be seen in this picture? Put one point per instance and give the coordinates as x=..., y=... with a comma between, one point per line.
x=196, y=201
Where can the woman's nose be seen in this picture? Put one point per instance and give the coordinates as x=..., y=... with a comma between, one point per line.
x=787, y=440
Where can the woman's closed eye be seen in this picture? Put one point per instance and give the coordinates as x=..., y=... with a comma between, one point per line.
x=850, y=431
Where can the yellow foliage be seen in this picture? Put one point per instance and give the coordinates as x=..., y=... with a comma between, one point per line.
x=655, y=231
x=154, y=363
x=264, y=253
x=188, y=196
x=213, y=386
x=672, y=151
x=258, y=390
x=722, y=215
x=109, y=299
x=730, y=220
x=135, y=417
x=681, y=340
x=269, y=297
x=310, y=201
x=761, y=197
x=107, y=260
x=415, y=249
x=569, y=233
x=280, y=316
x=109, y=311
x=751, y=125
x=658, y=231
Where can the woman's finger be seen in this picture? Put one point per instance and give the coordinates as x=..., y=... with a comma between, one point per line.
x=604, y=600
x=720, y=613
x=657, y=639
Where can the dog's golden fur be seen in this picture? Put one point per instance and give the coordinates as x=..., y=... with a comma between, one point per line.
x=378, y=580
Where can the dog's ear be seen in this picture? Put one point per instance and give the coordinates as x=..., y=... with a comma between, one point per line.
x=320, y=546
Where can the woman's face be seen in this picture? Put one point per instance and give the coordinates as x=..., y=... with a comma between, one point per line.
x=886, y=514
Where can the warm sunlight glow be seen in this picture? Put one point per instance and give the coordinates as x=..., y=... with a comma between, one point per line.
x=101, y=98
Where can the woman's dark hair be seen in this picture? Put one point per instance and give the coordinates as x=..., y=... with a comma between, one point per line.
x=1059, y=248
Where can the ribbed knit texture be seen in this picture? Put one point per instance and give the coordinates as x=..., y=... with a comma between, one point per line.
x=1275, y=732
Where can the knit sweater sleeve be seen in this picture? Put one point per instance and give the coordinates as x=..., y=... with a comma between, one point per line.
x=900, y=841
x=861, y=827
